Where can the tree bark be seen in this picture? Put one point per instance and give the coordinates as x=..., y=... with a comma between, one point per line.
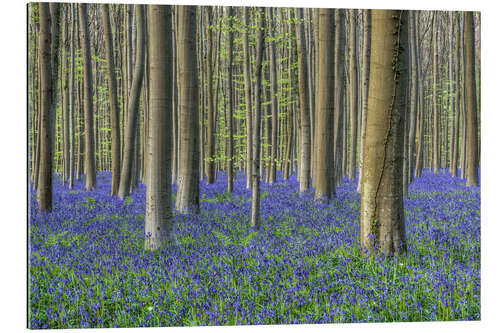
x=90, y=171
x=471, y=102
x=382, y=215
x=113, y=102
x=255, y=214
x=133, y=108
x=305, y=126
x=188, y=178
x=325, y=106
x=158, y=221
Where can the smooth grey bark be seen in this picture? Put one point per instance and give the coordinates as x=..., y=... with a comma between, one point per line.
x=365, y=77
x=113, y=102
x=158, y=221
x=229, y=119
x=188, y=198
x=46, y=109
x=274, y=99
x=248, y=96
x=90, y=172
x=210, y=131
x=472, y=161
x=255, y=213
x=133, y=108
x=353, y=94
x=305, y=126
x=325, y=106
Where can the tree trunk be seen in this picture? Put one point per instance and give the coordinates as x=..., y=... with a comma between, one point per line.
x=90, y=171
x=382, y=215
x=188, y=178
x=353, y=76
x=274, y=99
x=325, y=106
x=305, y=126
x=365, y=76
x=158, y=221
x=133, y=108
x=255, y=214
x=248, y=95
x=230, y=149
x=113, y=102
x=47, y=93
x=435, y=137
x=471, y=101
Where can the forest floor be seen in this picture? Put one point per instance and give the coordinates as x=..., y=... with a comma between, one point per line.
x=88, y=269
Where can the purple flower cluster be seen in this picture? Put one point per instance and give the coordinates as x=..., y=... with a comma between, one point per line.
x=88, y=268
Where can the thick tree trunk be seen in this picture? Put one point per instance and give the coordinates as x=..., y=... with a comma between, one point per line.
x=472, y=161
x=47, y=100
x=382, y=216
x=158, y=221
x=325, y=106
x=133, y=108
x=188, y=199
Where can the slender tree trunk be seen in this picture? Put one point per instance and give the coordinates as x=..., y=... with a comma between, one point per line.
x=133, y=108
x=188, y=178
x=248, y=96
x=382, y=215
x=365, y=76
x=158, y=221
x=339, y=75
x=90, y=171
x=458, y=98
x=274, y=99
x=210, y=131
x=113, y=102
x=255, y=214
x=230, y=149
x=353, y=76
x=305, y=126
x=435, y=136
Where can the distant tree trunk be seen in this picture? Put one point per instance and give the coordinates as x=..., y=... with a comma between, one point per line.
x=458, y=98
x=305, y=126
x=413, y=97
x=365, y=76
x=230, y=149
x=435, y=137
x=353, y=77
x=133, y=108
x=65, y=95
x=274, y=99
x=470, y=95
x=90, y=171
x=325, y=105
x=210, y=150
x=188, y=178
x=158, y=221
x=255, y=215
x=113, y=102
x=339, y=75
x=248, y=95
x=382, y=215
